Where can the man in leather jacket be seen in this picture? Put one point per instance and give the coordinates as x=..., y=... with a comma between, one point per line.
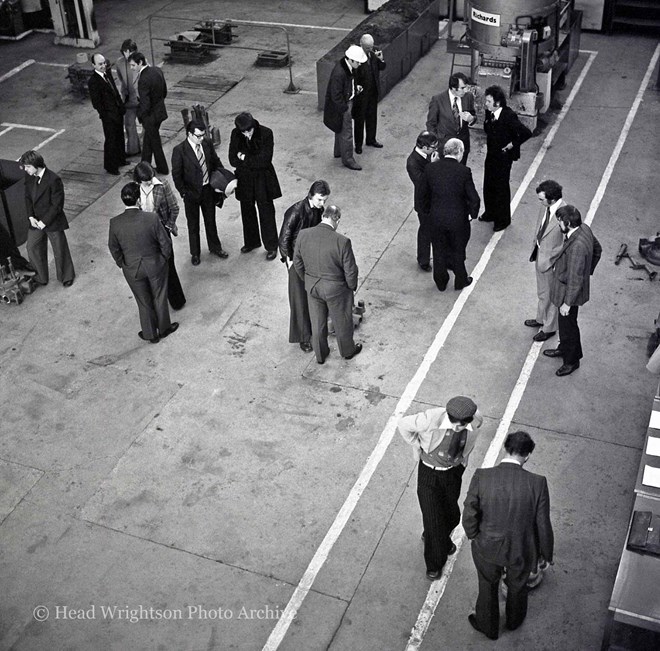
x=302, y=214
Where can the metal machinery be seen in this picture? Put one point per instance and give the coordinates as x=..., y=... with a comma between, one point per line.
x=524, y=46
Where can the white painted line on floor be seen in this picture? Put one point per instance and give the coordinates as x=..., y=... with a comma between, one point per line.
x=322, y=553
x=26, y=126
x=5, y=130
x=45, y=142
x=17, y=69
x=435, y=593
x=600, y=192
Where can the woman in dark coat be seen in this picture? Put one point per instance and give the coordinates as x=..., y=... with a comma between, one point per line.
x=157, y=196
x=251, y=153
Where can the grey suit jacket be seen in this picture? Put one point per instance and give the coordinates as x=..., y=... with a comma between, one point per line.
x=322, y=254
x=507, y=516
x=551, y=242
x=139, y=243
x=440, y=119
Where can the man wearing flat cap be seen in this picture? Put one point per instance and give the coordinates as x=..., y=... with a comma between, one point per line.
x=339, y=97
x=442, y=440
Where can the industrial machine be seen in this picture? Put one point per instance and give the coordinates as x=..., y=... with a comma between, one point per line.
x=524, y=46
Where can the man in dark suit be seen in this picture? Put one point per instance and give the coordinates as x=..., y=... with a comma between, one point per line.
x=106, y=100
x=506, y=515
x=504, y=135
x=570, y=284
x=339, y=98
x=303, y=214
x=193, y=162
x=452, y=113
x=452, y=203
x=251, y=148
x=44, y=203
x=324, y=260
x=365, y=107
x=151, y=112
x=425, y=152
x=140, y=246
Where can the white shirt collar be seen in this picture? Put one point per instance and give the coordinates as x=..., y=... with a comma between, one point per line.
x=421, y=153
x=571, y=231
x=447, y=424
x=511, y=461
x=496, y=113
x=193, y=144
x=555, y=207
x=101, y=74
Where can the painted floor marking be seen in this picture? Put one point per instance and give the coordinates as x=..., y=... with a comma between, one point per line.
x=55, y=132
x=17, y=69
x=437, y=588
x=335, y=530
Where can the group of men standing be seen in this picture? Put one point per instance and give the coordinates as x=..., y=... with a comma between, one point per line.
x=142, y=94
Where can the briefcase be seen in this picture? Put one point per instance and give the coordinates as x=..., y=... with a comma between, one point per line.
x=644, y=533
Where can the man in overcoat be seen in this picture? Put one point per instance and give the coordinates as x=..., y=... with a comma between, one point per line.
x=339, y=97
x=251, y=153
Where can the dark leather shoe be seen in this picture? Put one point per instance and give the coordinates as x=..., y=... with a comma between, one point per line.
x=320, y=361
x=358, y=150
x=271, y=255
x=441, y=289
x=533, y=323
x=543, y=336
x=467, y=284
x=221, y=253
x=452, y=550
x=553, y=352
x=472, y=618
x=247, y=249
x=356, y=351
x=194, y=259
x=567, y=369
x=306, y=347
x=174, y=326
x=497, y=229
x=68, y=283
x=155, y=340
x=425, y=267
x=337, y=155
x=352, y=165
x=484, y=218
x=38, y=282
x=432, y=574
x=375, y=144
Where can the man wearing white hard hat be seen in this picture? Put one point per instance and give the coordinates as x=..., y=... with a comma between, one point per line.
x=340, y=94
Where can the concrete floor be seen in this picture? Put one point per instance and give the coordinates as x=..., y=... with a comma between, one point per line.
x=201, y=475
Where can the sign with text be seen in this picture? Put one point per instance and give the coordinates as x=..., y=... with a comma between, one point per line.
x=485, y=18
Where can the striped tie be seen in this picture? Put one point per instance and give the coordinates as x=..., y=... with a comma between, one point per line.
x=202, y=164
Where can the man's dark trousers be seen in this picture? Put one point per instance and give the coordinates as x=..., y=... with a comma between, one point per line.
x=114, y=152
x=152, y=144
x=423, y=240
x=438, y=492
x=251, y=224
x=366, y=116
x=449, y=253
x=497, y=191
x=487, y=607
x=192, y=207
x=569, y=337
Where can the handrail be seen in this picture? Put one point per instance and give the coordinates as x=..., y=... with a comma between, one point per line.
x=291, y=88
